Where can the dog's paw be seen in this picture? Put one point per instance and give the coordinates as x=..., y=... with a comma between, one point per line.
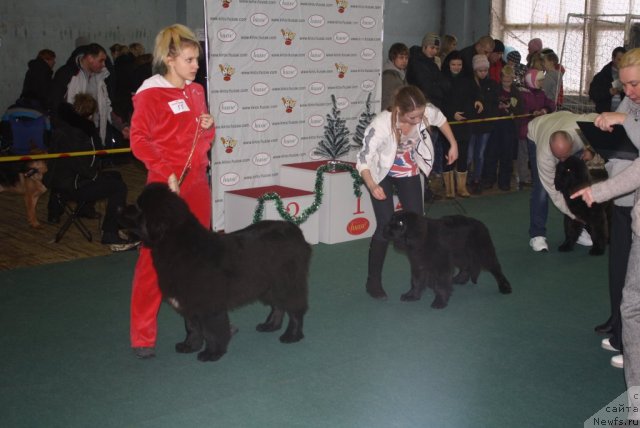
x=439, y=303
x=187, y=348
x=291, y=338
x=462, y=277
x=505, y=288
x=208, y=355
x=596, y=251
x=267, y=327
x=566, y=247
x=409, y=297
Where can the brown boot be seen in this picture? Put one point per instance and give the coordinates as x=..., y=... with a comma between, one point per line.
x=461, y=179
x=449, y=186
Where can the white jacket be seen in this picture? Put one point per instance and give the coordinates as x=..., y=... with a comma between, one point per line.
x=379, y=146
x=78, y=84
x=540, y=130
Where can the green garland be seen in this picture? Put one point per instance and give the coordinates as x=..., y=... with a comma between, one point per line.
x=273, y=196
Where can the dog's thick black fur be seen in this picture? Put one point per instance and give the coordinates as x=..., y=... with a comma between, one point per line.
x=436, y=247
x=571, y=176
x=204, y=274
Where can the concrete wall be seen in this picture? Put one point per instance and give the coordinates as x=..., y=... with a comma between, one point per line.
x=27, y=26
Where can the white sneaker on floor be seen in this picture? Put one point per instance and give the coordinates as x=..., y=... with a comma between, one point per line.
x=606, y=344
x=618, y=361
x=539, y=243
x=584, y=239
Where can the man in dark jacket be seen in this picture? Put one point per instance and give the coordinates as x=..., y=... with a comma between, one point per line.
x=605, y=88
x=423, y=72
x=484, y=46
x=37, y=80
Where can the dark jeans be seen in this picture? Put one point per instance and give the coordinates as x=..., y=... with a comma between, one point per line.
x=410, y=195
x=539, y=200
x=619, y=249
x=502, y=149
x=459, y=165
x=477, y=146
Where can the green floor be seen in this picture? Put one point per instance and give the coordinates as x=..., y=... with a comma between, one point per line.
x=529, y=359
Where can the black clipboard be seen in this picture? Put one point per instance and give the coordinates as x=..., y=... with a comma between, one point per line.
x=609, y=145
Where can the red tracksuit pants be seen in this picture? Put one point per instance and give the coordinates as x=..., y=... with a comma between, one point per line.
x=145, y=295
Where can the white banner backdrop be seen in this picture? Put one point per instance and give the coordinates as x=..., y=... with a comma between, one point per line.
x=273, y=66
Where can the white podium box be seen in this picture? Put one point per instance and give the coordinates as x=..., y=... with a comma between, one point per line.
x=240, y=206
x=343, y=216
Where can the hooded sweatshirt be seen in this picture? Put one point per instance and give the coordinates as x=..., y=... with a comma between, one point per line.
x=392, y=79
x=164, y=125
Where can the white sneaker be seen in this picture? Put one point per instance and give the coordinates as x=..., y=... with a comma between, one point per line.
x=606, y=344
x=618, y=361
x=584, y=239
x=539, y=243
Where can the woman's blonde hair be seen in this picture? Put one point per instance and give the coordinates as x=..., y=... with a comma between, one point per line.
x=169, y=43
x=631, y=58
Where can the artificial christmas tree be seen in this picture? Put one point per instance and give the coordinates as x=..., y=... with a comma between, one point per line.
x=335, y=142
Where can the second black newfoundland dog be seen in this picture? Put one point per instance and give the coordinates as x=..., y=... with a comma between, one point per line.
x=203, y=274
x=436, y=247
x=571, y=176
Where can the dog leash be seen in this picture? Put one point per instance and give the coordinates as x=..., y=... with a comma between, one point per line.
x=187, y=165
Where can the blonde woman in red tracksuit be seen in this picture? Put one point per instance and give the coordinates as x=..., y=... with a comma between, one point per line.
x=169, y=111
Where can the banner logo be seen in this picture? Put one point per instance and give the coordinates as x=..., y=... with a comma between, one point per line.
x=228, y=107
x=289, y=140
x=261, y=159
x=260, y=89
x=341, y=38
x=341, y=69
x=367, y=54
x=342, y=103
x=288, y=36
x=226, y=35
x=259, y=55
x=288, y=72
x=288, y=4
x=228, y=143
x=368, y=85
x=316, y=55
x=342, y=5
x=230, y=179
x=316, y=121
x=259, y=19
x=316, y=88
x=289, y=104
x=316, y=21
x=226, y=4
x=358, y=226
x=260, y=125
x=227, y=71
x=367, y=22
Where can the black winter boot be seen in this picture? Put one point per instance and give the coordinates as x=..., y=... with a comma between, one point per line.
x=377, y=253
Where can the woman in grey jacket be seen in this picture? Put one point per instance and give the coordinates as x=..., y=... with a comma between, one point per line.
x=627, y=115
x=396, y=148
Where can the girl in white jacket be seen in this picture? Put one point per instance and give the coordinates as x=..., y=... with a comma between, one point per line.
x=396, y=147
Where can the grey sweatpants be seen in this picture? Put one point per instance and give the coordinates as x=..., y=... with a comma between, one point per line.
x=630, y=311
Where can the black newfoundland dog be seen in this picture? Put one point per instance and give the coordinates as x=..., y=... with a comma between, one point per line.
x=203, y=274
x=436, y=247
x=571, y=176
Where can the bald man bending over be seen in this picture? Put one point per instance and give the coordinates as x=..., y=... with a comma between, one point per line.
x=544, y=154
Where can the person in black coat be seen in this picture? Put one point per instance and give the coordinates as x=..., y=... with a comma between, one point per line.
x=423, y=72
x=80, y=178
x=458, y=107
x=37, y=80
x=605, y=88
